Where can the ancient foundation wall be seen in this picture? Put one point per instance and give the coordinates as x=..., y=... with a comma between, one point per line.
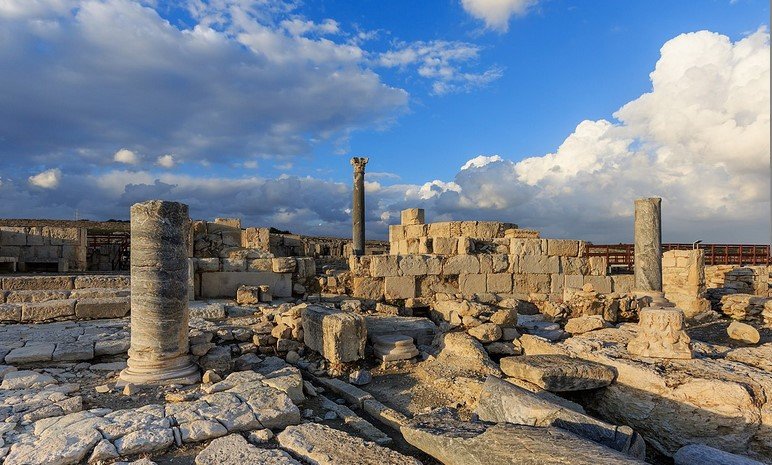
x=683, y=280
x=44, y=248
x=221, y=277
x=743, y=279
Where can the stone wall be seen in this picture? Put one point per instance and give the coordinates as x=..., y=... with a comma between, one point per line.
x=44, y=248
x=31, y=299
x=221, y=277
x=742, y=279
x=683, y=280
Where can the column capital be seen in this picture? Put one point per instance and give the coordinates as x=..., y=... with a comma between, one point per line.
x=359, y=164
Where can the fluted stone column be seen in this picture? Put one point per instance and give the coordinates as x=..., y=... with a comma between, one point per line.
x=159, y=295
x=358, y=205
x=648, y=246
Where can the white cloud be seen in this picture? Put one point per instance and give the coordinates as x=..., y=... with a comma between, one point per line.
x=126, y=156
x=496, y=13
x=441, y=62
x=167, y=161
x=48, y=179
x=699, y=139
x=480, y=161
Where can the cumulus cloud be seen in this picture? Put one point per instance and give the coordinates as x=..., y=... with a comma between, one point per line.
x=443, y=63
x=167, y=161
x=48, y=179
x=126, y=156
x=235, y=84
x=699, y=139
x=496, y=13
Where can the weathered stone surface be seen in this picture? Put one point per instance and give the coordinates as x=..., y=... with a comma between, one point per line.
x=73, y=351
x=395, y=347
x=30, y=353
x=743, y=332
x=248, y=295
x=207, y=310
x=235, y=450
x=661, y=334
x=103, y=282
x=700, y=454
x=64, y=448
x=25, y=379
x=321, y=445
x=29, y=283
x=584, y=324
x=144, y=441
x=36, y=296
x=113, y=307
x=422, y=330
x=339, y=336
x=558, y=373
x=42, y=311
x=501, y=401
x=399, y=287
x=10, y=312
x=454, y=442
x=486, y=332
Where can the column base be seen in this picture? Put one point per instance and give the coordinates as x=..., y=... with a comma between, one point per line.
x=180, y=371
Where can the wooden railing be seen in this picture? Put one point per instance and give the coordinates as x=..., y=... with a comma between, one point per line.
x=622, y=256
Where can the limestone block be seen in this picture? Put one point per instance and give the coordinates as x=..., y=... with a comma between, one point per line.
x=13, y=236
x=42, y=311
x=104, y=282
x=208, y=264
x=557, y=284
x=31, y=283
x=368, y=288
x=225, y=284
x=459, y=264
x=531, y=283
x=234, y=264
x=499, y=283
x=384, y=265
x=465, y=245
x=35, y=296
x=412, y=216
x=425, y=245
x=422, y=330
x=575, y=265
x=283, y=264
x=259, y=264
x=31, y=352
x=10, y=312
x=558, y=373
x=539, y=264
x=600, y=284
x=585, y=324
x=472, y=283
x=248, y=295
x=412, y=246
x=490, y=229
x=598, y=266
x=235, y=450
x=396, y=233
x=433, y=265
x=622, y=284
x=106, y=307
x=414, y=231
x=412, y=265
x=499, y=263
x=743, y=332
x=306, y=267
x=562, y=247
x=339, y=336
x=527, y=246
x=441, y=229
x=700, y=454
x=444, y=245
x=399, y=287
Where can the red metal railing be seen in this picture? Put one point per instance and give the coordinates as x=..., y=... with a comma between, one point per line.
x=120, y=240
x=623, y=255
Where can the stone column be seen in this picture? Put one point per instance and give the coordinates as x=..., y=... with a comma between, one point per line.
x=358, y=205
x=159, y=295
x=648, y=246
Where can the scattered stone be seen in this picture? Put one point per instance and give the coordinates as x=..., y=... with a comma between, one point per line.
x=743, y=332
x=585, y=324
x=558, y=373
x=248, y=295
x=31, y=352
x=322, y=445
x=504, y=348
x=339, y=336
x=145, y=441
x=211, y=377
x=700, y=454
x=63, y=448
x=445, y=437
x=130, y=389
x=360, y=377
x=26, y=379
x=486, y=332
x=260, y=436
x=102, y=389
x=103, y=452
x=235, y=450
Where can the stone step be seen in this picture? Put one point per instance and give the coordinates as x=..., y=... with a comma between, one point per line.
x=64, y=282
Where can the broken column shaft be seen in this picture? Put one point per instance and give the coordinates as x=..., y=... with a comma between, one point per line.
x=358, y=205
x=159, y=295
x=648, y=246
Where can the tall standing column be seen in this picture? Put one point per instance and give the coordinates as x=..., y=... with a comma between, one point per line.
x=159, y=295
x=648, y=246
x=358, y=205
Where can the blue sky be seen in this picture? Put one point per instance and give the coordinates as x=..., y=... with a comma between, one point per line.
x=251, y=108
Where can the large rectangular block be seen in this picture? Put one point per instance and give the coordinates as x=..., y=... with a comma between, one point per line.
x=598, y=266
x=527, y=246
x=412, y=216
x=539, y=264
x=562, y=248
x=574, y=265
x=459, y=264
x=103, y=282
x=470, y=284
x=42, y=311
x=396, y=232
x=13, y=236
x=33, y=283
x=368, y=288
x=10, y=312
x=441, y=229
x=384, y=265
x=114, y=307
x=500, y=283
x=399, y=287
x=600, y=284
x=412, y=265
x=339, y=336
x=532, y=283
x=468, y=228
x=223, y=284
x=414, y=231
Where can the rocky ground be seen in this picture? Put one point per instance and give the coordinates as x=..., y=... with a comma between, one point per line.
x=267, y=398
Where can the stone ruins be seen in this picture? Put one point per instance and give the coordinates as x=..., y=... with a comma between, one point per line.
x=456, y=342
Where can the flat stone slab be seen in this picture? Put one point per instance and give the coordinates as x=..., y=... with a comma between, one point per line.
x=700, y=454
x=558, y=373
x=30, y=353
x=454, y=442
x=235, y=450
x=25, y=379
x=422, y=330
x=322, y=445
